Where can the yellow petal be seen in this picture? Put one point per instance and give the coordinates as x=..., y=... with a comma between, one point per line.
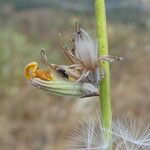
x=30, y=69
x=44, y=75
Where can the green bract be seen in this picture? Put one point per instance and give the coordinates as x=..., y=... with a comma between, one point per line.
x=62, y=88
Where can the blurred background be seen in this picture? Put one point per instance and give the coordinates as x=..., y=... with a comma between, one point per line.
x=31, y=119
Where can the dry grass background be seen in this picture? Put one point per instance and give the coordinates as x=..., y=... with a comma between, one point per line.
x=31, y=119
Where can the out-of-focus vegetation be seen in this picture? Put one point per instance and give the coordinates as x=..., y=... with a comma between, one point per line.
x=31, y=119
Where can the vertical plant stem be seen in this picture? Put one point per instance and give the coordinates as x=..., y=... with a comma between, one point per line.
x=106, y=112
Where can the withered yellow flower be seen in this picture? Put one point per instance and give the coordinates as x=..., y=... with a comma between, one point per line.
x=32, y=70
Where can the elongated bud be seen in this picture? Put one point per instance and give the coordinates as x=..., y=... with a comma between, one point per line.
x=49, y=81
x=64, y=88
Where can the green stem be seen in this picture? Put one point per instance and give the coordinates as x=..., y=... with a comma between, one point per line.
x=106, y=112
